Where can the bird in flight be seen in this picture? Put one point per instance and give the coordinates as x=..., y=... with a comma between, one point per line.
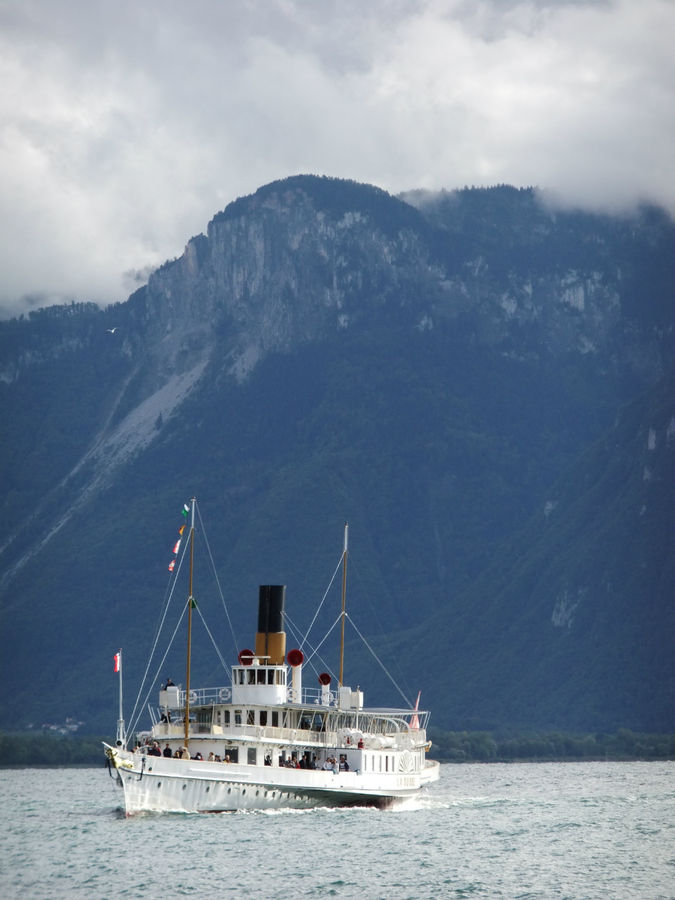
x=112, y=330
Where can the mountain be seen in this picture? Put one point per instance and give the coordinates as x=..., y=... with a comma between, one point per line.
x=480, y=384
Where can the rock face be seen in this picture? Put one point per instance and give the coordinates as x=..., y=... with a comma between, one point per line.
x=438, y=361
x=297, y=262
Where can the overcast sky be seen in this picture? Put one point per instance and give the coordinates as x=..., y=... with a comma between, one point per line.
x=126, y=125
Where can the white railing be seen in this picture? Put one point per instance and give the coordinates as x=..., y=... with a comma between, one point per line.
x=374, y=722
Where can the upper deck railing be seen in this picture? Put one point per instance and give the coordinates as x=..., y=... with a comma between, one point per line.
x=382, y=721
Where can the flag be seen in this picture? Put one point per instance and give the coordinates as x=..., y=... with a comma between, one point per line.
x=185, y=510
x=415, y=722
x=181, y=529
x=171, y=565
x=177, y=547
x=117, y=659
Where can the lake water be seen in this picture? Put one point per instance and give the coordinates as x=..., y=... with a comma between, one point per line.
x=569, y=830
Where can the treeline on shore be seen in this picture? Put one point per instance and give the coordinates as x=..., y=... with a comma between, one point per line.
x=46, y=749
x=483, y=746
x=447, y=746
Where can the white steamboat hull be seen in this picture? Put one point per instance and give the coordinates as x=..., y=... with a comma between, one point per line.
x=156, y=784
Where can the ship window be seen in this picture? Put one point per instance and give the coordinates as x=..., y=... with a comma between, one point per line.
x=250, y=717
x=237, y=717
x=270, y=676
x=281, y=676
x=252, y=756
x=275, y=719
x=227, y=716
x=261, y=676
x=240, y=676
x=263, y=717
x=251, y=676
x=233, y=753
x=380, y=764
x=386, y=764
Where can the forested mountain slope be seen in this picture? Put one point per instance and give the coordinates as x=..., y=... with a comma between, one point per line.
x=482, y=386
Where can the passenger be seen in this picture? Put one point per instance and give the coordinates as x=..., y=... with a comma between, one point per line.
x=184, y=753
x=176, y=753
x=154, y=749
x=227, y=758
x=197, y=755
x=167, y=752
x=360, y=744
x=218, y=759
x=169, y=683
x=211, y=757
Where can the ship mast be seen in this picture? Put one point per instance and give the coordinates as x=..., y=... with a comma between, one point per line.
x=189, y=628
x=121, y=731
x=344, y=595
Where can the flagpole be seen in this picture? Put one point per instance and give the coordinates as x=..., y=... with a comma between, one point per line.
x=344, y=593
x=121, y=736
x=189, y=629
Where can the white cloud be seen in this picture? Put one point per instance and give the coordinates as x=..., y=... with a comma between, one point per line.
x=124, y=130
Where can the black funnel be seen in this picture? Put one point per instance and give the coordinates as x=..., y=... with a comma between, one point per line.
x=271, y=608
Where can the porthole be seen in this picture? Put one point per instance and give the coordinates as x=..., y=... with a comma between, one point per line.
x=159, y=784
x=184, y=786
x=229, y=790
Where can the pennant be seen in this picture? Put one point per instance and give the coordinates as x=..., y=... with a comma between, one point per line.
x=181, y=529
x=185, y=510
x=415, y=722
x=177, y=547
x=171, y=565
x=117, y=659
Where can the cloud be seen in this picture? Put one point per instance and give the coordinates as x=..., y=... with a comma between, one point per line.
x=124, y=130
